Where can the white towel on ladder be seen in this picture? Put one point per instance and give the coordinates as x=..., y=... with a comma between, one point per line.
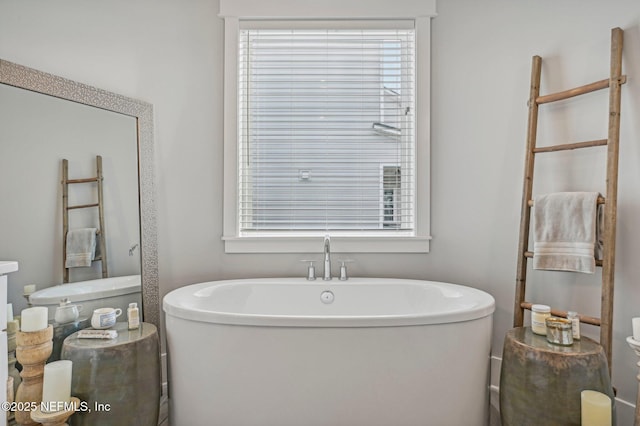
x=81, y=247
x=564, y=231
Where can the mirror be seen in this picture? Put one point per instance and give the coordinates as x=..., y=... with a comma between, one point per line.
x=51, y=118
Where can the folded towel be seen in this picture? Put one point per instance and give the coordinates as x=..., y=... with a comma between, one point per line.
x=81, y=247
x=564, y=231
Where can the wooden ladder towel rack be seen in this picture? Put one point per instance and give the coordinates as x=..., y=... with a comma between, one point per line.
x=613, y=83
x=98, y=180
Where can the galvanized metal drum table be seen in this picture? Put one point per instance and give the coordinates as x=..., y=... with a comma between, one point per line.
x=118, y=379
x=540, y=383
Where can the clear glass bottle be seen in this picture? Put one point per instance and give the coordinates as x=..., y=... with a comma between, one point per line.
x=575, y=324
x=133, y=316
x=539, y=313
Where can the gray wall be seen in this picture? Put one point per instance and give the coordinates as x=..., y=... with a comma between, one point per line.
x=170, y=54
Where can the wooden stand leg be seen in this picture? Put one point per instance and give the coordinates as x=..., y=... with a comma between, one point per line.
x=32, y=351
x=57, y=418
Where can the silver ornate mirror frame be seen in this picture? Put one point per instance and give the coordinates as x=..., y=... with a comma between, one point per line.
x=37, y=81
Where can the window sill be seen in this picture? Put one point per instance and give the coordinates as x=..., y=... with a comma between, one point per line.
x=338, y=244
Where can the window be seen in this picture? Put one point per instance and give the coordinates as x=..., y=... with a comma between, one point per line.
x=319, y=112
x=326, y=125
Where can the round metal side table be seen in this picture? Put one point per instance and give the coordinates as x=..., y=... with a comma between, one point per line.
x=119, y=379
x=540, y=383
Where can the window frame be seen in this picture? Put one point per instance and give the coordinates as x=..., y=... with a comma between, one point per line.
x=347, y=241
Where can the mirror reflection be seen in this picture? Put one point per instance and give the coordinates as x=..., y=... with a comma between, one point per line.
x=38, y=132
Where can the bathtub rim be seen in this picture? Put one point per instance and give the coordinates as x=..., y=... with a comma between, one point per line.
x=172, y=307
x=73, y=291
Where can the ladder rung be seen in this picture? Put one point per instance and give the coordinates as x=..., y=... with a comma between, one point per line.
x=569, y=146
x=529, y=254
x=587, y=88
x=83, y=206
x=556, y=313
x=87, y=180
x=600, y=200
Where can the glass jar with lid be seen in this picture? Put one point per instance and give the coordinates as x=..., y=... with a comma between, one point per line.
x=539, y=314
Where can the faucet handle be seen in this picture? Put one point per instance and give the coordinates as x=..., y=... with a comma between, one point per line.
x=311, y=270
x=343, y=268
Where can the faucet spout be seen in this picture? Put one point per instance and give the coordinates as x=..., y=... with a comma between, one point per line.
x=327, y=258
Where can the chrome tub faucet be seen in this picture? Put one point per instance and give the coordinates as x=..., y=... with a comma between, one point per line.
x=327, y=258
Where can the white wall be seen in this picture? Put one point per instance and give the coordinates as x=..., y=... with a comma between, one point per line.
x=169, y=53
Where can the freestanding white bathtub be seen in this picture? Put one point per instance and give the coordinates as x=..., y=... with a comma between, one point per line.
x=287, y=352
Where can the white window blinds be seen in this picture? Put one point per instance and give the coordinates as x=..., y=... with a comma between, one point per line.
x=326, y=131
